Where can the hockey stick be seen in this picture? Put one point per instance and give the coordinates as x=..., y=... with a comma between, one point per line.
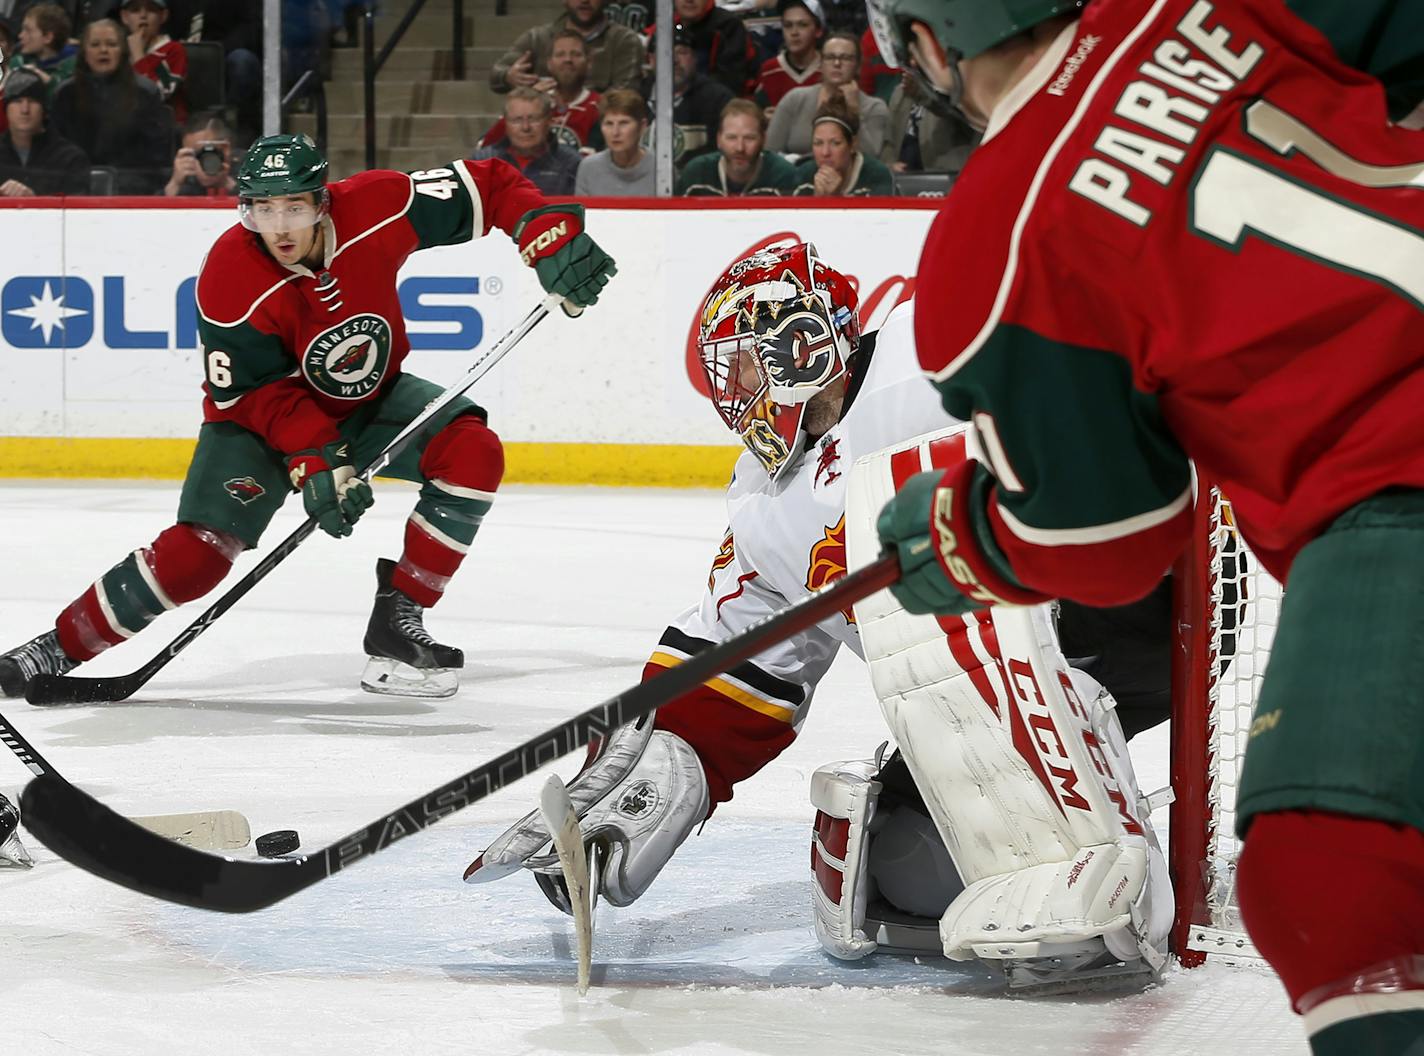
x=76, y=826
x=203, y=829
x=46, y=690
x=563, y=825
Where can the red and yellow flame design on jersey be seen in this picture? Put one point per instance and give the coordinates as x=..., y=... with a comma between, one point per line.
x=828, y=562
x=726, y=554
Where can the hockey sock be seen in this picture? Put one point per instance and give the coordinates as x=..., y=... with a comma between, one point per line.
x=463, y=465
x=1332, y=902
x=184, y=562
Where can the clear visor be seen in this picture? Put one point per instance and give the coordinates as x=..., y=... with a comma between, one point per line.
x=279, y=215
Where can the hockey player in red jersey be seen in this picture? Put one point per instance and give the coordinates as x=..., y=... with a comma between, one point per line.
x=830, y=417
x=302, y=342
x=1192, y=232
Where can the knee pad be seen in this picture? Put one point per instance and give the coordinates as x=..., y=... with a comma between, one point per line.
x=1327, y=896
x=188, y=560
x=466, y=454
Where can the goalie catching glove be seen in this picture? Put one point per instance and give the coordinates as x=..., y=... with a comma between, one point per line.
x=569, y=263
x=331, y=491
x=636, y=800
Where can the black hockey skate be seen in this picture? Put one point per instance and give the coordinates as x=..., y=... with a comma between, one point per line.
x=12, y=851
x=38, y=656
x=404, y=660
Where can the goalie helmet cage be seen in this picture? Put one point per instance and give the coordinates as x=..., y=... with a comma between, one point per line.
x=1227, y=610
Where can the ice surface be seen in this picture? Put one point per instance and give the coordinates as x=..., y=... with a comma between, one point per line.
x=563, y=595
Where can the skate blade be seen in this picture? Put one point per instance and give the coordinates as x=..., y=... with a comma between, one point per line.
x=392, y=678
x=1040, y=979
x=13, y=854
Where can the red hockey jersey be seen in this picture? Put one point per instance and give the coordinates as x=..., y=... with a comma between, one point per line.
x=1190, y=231
x=290, y=352
x=777, y=77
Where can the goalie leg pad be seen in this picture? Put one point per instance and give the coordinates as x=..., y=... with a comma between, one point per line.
x=844, y=795
x=881, y=873
x=1013, y=767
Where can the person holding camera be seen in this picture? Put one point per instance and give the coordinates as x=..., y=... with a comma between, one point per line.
x=203, y=165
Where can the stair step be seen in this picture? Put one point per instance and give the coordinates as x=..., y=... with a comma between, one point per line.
x=459, y=132
x=414, y=97
x=411, y=63
x=433, y=29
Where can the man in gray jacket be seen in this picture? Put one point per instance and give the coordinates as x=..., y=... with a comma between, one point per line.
x=615, y=53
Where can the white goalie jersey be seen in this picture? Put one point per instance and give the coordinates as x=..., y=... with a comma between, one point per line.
x=786, y=538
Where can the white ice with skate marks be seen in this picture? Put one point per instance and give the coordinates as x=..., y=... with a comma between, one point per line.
x=564, y=593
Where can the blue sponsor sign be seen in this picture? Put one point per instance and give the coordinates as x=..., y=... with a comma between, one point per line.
x=59, y=311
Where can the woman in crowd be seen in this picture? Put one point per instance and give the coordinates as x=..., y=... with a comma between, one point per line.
x=791, y=125
x=837, y=166
x=114, y=116
x=625, y=168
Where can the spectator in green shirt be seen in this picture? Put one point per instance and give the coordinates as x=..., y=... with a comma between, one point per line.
x=742, y=165
x=837, y=166
x=44, y=46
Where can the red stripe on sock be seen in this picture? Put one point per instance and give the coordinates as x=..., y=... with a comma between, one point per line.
x=425, y=567
x=84, y=630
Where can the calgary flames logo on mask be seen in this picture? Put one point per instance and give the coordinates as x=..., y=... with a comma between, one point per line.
x=828, y=562
x=799, y=352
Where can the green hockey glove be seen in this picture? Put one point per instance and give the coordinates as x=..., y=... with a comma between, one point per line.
x=569, y=263
x=904, y=526
x=331, y=490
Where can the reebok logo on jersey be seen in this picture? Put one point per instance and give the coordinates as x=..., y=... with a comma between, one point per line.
x=1060, y=84
x=349, y=360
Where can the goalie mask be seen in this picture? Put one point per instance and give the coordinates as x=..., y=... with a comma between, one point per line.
x=778, y=327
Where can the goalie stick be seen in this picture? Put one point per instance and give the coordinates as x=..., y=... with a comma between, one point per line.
x=79, y=828
x=47, y=690
x=562, y=822
x=203, y=829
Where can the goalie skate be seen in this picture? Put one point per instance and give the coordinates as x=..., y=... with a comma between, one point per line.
x=12, y=851
x=1082, y=967
x=403, y=659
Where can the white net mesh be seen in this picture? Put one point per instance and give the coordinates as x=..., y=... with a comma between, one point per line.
x=1245, y=608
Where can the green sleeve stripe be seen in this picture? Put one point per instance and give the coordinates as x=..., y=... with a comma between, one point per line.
x=1080, y=454
x=445, y=207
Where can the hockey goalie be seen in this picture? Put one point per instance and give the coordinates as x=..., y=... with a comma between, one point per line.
x=1007, y=826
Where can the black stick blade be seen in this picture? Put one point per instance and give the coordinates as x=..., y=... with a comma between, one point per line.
x=80, y=829
x=48, y=690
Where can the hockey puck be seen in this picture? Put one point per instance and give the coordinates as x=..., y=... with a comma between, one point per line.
x=272, y=844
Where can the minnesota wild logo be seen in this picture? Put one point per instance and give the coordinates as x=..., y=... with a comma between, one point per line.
x=349, y=360
x=244, y=489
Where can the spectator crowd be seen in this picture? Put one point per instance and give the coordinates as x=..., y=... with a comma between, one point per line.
x=770, y=97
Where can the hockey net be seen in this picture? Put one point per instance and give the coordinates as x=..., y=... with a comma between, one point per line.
x=1228, y=609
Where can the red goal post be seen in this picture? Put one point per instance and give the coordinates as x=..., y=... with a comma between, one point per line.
x=1226, y=612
